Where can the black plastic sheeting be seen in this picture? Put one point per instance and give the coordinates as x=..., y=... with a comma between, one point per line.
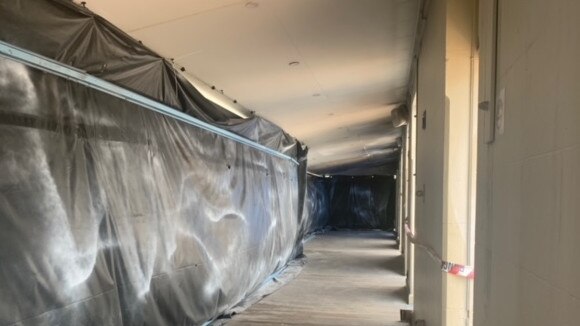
x=317, y=205
x=111, y=214
x=71, y=34
x=367, y=202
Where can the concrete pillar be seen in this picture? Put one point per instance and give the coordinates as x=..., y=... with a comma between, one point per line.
x=446, y=160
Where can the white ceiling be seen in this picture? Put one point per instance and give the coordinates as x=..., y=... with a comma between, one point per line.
x=355, y=58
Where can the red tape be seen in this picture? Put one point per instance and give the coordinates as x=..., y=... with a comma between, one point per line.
x=457, y=269
x=447, y=267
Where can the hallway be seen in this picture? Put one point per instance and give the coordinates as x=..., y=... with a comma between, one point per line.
x=350, y=278
x=162, y=161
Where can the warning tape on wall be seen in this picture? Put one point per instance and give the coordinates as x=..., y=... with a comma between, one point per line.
x=446, y=266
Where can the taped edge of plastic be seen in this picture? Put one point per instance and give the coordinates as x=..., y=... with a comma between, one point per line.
x=446, y=266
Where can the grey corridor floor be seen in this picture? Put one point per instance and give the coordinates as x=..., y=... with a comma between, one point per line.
x=351, y=278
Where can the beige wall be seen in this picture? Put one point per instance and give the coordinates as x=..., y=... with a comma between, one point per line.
x=410, y=144
x=445, y=85
x=428, y=287
x=460, y=110
x=528, y=231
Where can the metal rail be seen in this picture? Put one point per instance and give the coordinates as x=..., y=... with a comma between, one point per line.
x=81, y=77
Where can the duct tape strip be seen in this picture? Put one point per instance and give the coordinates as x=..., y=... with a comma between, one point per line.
x=459, y=270
x=446, y=266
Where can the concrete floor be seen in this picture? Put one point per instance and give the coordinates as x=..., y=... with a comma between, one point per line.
x=351, y=278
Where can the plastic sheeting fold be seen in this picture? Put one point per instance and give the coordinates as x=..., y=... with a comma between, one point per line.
x=317, y=204
x=111, y=214
x=73, y=35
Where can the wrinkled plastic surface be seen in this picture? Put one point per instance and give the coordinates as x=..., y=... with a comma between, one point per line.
x=111, y=214
x=317, y=204
x=361, y=202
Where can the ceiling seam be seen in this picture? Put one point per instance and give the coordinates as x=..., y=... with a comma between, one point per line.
x=183, y=17
x=295, y=46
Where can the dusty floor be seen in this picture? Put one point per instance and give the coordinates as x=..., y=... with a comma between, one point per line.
x=351, y=278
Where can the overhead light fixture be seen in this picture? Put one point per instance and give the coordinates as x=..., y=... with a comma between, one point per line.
x=218, y=97
x=294, y=63
x=251, y=5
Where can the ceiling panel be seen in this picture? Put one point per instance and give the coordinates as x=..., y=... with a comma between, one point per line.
x=131, y=15
x=354, y=61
